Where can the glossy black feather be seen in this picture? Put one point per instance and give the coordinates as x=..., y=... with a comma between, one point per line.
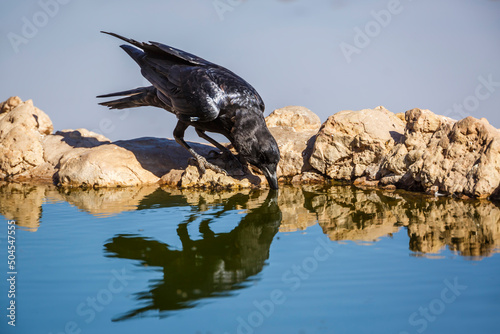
x=201, y=94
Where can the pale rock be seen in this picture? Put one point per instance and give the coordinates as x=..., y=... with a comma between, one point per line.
x=172, y=178
x=65, y=141
x=160, y=156
x=22, y=128
x=441, y=155
x=43, y=122
x=401, y=116
x=295, y=150
x=191, y=178
x=102, y=166
x=294, y=129
x=421, y=151
x=298, y=118
x=351, y=144
x=10, y=104
x=308, y=178
x=425, y=121
x=391, y=179
x=83, y=138
x=364, y=182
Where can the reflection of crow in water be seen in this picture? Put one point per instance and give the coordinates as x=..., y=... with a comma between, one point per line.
x=206, y=96
x=209, y=267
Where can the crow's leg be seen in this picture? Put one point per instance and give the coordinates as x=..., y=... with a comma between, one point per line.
x=212, y=141
x=179, y=130
x=232, y=161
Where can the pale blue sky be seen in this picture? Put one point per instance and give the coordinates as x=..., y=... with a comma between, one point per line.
x=430, y=54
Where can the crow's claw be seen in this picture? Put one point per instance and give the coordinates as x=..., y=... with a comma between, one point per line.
x=203, y=164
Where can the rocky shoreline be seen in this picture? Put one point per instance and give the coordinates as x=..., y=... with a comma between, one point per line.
x=417, y=151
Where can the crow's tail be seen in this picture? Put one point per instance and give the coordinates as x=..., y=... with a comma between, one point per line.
x=138, y=97
x=136, y=52
x=140, y=45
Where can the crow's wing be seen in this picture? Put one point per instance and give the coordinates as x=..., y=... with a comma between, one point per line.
x=190, y=92
x=192, y=87
x=186, y=56
x=165, y=51
x=239, y=92
x=199, y=92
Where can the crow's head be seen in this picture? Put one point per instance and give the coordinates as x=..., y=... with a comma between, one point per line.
x=265, y=155
x=256, y=144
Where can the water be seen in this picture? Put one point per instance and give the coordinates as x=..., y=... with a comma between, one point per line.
x=316, y=259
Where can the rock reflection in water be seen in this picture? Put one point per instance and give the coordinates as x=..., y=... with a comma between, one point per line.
x=211, y=266
x=218, y=264
x=103, y=202
x=23, y=203
x=470, y=227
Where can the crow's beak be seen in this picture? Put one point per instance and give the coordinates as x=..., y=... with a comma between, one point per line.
x=271, y=177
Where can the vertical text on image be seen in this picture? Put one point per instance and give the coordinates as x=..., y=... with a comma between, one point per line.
x=11, y=272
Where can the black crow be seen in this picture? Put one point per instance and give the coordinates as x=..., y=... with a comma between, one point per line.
x=206, y=96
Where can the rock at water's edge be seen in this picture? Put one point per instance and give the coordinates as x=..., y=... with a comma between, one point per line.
x=294, y=129
x=417, y=150
x=351, y=144
x=22, y=129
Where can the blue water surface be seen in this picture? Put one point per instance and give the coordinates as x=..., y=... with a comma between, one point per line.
x=306, y=260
